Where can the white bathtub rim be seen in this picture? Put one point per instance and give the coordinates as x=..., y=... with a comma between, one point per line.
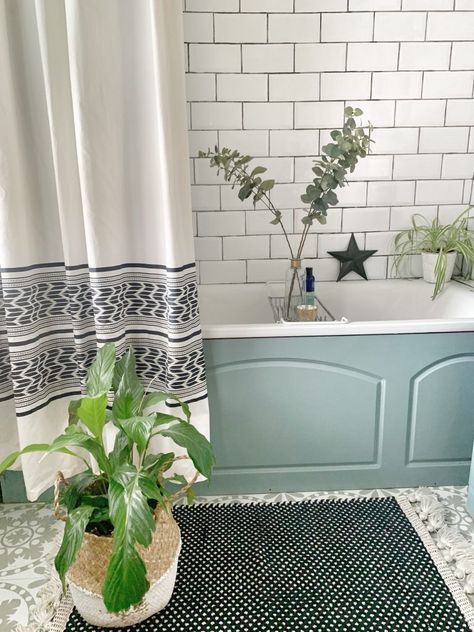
x=362, y=328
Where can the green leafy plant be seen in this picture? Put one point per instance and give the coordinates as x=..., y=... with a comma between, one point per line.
x=119, y=496
x=435, y=238
x=338, y=158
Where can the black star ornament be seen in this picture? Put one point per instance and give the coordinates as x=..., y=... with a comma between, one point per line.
x=352, y=259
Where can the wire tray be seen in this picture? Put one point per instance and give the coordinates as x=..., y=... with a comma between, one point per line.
x=277, y=304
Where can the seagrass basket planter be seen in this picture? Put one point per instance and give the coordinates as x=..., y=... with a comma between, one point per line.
x=87, y=574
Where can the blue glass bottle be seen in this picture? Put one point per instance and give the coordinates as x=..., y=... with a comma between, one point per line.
x=309, y=287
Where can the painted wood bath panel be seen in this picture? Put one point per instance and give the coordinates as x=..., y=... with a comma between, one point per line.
x=340, y=412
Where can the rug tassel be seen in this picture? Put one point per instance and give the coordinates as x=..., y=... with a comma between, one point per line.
x=454, y=547
x=48, y=601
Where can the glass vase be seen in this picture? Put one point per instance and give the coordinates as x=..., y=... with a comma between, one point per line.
x=293, y=290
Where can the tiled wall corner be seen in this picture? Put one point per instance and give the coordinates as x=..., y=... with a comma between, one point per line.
x=271, y=78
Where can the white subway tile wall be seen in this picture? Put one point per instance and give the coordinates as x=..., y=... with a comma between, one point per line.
x=272, y=77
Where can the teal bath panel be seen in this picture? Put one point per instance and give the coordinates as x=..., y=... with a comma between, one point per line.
x=322, y=413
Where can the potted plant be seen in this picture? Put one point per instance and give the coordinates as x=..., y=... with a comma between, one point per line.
x=339, y=158
x=439, y=246
x=120, y=546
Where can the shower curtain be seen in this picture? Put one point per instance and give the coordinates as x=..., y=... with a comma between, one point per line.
x=95, y=213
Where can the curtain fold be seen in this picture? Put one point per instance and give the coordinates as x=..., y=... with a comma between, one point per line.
x=95, y=212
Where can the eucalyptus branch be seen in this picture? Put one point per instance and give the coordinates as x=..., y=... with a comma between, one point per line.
x=235, y=167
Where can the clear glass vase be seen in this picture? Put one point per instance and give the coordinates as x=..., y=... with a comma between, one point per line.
x=293, y=290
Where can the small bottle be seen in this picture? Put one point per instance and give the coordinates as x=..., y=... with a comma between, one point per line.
x=309, y=287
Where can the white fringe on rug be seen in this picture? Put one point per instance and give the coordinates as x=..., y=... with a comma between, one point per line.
x=452, y=553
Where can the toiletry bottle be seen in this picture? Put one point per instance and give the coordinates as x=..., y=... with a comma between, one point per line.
x=309, y=287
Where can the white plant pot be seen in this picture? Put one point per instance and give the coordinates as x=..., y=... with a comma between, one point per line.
x=429, y=264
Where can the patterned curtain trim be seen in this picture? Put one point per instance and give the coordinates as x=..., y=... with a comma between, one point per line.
x=52, y=317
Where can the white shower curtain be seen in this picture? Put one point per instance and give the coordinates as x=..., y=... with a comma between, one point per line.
x=95, y=213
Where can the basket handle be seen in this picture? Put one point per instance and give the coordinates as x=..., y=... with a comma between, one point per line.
x=58, y=481
x=184, y=489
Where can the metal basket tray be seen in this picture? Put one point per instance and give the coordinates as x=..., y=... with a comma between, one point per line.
x=277, y=304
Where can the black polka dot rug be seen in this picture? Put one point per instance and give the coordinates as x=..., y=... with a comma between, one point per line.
x=352, y=565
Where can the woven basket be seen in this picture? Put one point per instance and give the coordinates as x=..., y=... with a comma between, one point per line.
x=86, y=576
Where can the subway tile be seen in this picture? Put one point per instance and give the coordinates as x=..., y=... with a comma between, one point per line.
x=216, y=115
x=471, y=141
x=253, y=142
x=198, y=27
x=450, y=26
x=353, y=194
x=293, y=28
x=201, y=140
x=410, y=267
x=267, y=6
x=213, y=224
x=345, y=86
x=240, y=28
x=463, y=5
x=294, y=87
x=258, y=222
x=400, y=27
x=287, y=195
x=326, y=269
x=372, y=56
x=417, y=167
x=213, y=5
x=400, y=140
x=447, y=214
x=222, y=272
x=308, y=6
x=337, y=241
x=383, y=242
x=247, y=247
x=262, y=271
x=333, y=221
x=449, y=84
x=458, y=166
x=279, y=247
x=205, y=197
x=463, y=56
x=373, y=168
x=443, y=139
x=379, y=113
x=396, y=85
x=278, y=169
x=303, y=166
x=242, y=87
x=401, y=216
x=460, y=112
x=267, y=58
x=347, y=27
x=268, y=115
x=214, y=57
x=424, y=55
x=420, y=112
x=320, y=57
x=384, y=193
x=427, y=5
x=293, y=143
x=439, y=192
x=374, y=5
x=365, y=219
x=230, y=200
x=320, y=114
x=205, y=174
x=208, y=248
x=200, y=87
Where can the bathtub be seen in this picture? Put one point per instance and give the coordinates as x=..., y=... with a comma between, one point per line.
x=380, y=397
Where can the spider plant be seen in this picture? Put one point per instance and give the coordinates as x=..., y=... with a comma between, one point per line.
x=437, y=239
